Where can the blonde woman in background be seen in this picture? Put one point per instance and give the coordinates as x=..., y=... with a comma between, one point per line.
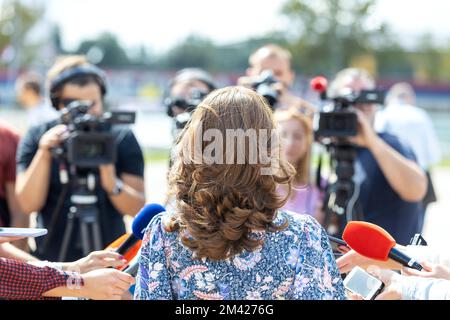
x=297, y=136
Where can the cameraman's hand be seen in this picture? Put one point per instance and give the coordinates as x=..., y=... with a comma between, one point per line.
x=366, y=134
x=97, y=260
x=53, y=137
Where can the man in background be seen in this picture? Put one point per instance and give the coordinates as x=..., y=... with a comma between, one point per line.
x=276, y=59
x=413, y=127
x=29, y=96
x=391, y=184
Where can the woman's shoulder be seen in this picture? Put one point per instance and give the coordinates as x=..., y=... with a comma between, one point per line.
x=156, y=227
x=299, y=224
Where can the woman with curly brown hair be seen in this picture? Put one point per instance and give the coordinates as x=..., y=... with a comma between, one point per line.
x=226, y=237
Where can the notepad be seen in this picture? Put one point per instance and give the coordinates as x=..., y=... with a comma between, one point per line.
x=22, y=232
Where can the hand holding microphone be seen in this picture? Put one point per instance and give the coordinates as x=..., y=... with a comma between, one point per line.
x=374, y=245
x=129, y=244
x=96, y=260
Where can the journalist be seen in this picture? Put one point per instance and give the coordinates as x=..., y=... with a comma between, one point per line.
x=41, y=185
x=391, y=184
x=271, y=65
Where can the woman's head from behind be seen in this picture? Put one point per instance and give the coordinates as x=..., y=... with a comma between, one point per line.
x=297, y=136
x=220, y=181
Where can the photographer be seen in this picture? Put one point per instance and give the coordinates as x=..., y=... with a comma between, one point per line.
x=277, y=61
x=185, y=91
x=391, y=185
x=119, y=187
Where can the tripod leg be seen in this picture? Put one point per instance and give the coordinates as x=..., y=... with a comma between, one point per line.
x=96, y=236
x=85, y=239
x=67, y=235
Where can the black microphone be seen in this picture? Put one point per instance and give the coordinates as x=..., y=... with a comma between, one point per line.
x=133, y=267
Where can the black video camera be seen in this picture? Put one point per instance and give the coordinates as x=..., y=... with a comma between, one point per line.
x=187, y=105
x=340, y=121
x=91, y=142
x=264, y=87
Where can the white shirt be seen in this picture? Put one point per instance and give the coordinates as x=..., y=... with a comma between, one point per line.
x=413, y=127
x=417, y=288
x=41, y=113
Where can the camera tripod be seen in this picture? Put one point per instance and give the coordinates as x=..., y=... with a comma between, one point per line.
x=340, y=203
x=84, y=209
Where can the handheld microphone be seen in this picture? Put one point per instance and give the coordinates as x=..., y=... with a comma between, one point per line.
x=133, y=267
x=130, y=254
x=374, y=242
x=320, y=85
x=140, y=222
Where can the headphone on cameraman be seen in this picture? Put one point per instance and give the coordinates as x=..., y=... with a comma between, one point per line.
x=182, y=75
x=73, y=73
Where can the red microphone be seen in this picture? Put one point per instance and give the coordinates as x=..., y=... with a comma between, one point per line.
x=319, y=84
x=374, y=242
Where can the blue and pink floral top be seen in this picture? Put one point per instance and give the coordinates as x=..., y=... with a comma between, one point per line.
x=295, y=263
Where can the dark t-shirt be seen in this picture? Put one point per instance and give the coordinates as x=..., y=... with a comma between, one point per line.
x=380, y=204
x=8, y=147
x=129, y=160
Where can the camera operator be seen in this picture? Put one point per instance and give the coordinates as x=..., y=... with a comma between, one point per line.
x=39, y=187
x=391, y=185
x=271, y=64
x=185, y=91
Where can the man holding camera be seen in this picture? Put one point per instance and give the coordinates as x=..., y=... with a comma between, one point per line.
x=274, y=60
x=42, y=178
x=185, y=91
x=391, y=184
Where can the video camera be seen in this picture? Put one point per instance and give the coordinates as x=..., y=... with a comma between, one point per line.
x=338, y=120
x=90, y=141
x=187, y=104
x=264, y=87
x=332, y=126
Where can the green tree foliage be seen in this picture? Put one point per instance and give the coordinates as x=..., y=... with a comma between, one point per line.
x=16, y=22
x=328, y=34
x=105, y=51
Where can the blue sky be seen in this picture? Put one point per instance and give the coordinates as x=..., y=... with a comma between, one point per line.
x=160, y=24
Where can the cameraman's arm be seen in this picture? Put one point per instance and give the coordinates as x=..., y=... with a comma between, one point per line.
x=33, y=183
x=132, y=197
x=403, y=175
x=130, y=166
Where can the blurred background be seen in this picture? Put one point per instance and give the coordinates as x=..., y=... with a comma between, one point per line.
x=141, y=44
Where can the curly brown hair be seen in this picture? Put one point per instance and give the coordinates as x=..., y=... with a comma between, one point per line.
x=217, y=206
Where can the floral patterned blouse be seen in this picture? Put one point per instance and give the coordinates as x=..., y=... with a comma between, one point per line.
x=295, y=263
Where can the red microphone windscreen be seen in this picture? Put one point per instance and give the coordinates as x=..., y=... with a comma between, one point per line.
x=319, y=84
x=368, y=240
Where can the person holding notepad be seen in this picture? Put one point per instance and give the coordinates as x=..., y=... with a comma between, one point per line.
x=23, y=281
